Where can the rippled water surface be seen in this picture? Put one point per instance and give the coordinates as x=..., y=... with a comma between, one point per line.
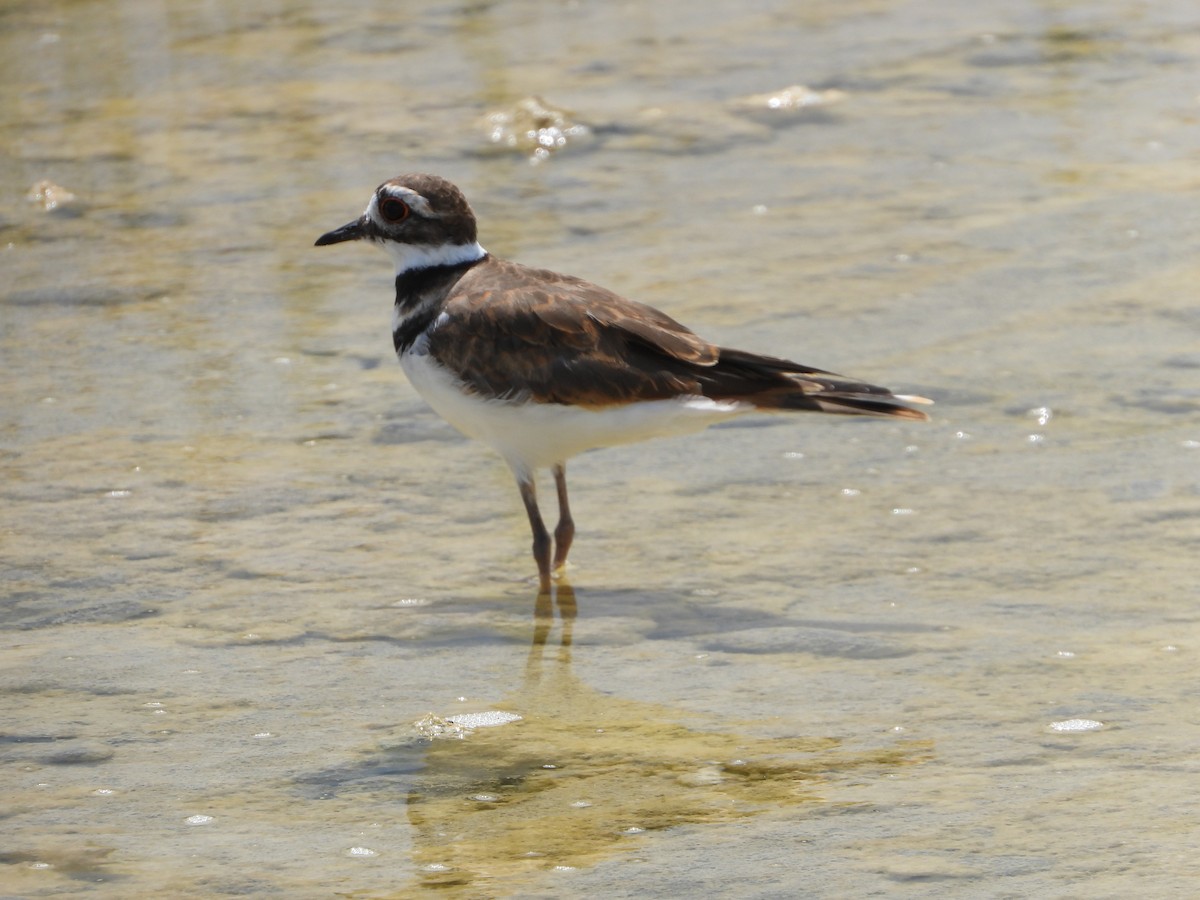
x=256, y=592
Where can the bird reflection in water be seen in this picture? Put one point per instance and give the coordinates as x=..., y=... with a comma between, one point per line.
x=585, y=775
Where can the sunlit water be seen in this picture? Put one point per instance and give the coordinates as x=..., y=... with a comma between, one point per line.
x=253, y=585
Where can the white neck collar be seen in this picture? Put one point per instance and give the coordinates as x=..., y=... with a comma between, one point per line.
x=408, y=257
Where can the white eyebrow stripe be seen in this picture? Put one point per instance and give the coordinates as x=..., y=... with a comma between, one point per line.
x=415, y=201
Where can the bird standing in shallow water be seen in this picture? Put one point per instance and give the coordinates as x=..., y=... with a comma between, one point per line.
x=542, y=366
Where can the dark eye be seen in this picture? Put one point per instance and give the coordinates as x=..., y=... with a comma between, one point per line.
x=393, y=210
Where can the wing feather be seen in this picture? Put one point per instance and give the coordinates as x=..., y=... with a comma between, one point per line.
x=535, y=334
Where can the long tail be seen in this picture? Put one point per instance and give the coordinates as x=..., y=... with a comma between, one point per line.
x=771, y=383
x=843, y=403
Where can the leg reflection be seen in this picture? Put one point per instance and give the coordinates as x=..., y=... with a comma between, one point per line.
x=560, y=597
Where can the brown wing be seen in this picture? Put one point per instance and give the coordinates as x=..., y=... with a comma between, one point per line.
x=512, y=331
x=516, y=331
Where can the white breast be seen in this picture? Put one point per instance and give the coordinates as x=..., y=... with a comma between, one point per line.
x=538, y=435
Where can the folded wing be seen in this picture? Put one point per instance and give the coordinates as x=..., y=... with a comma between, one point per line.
x=563, y=340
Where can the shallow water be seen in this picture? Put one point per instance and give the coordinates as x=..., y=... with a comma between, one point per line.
x=251, y=579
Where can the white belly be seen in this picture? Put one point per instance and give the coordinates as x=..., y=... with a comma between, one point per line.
x=538, y=435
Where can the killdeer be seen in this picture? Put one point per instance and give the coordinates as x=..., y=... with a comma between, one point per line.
x=542, y=366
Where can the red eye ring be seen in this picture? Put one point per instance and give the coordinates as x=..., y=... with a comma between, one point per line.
x=393, y=209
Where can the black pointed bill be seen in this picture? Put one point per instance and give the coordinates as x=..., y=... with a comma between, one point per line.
x=351, y=231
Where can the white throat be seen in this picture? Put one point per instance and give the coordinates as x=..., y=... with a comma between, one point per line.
x=408, y=257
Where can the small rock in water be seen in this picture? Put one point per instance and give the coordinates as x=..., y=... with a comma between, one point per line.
x=459, y=726
x=489, y=719
x=535, y=128
x=50, y=196
x=795, y=97
x=1076, y=726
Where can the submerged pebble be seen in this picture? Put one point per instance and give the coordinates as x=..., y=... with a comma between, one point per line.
x=489, y=719
x=534, y=128
x=462, y=724
x=50, y=196
x=705, y=777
